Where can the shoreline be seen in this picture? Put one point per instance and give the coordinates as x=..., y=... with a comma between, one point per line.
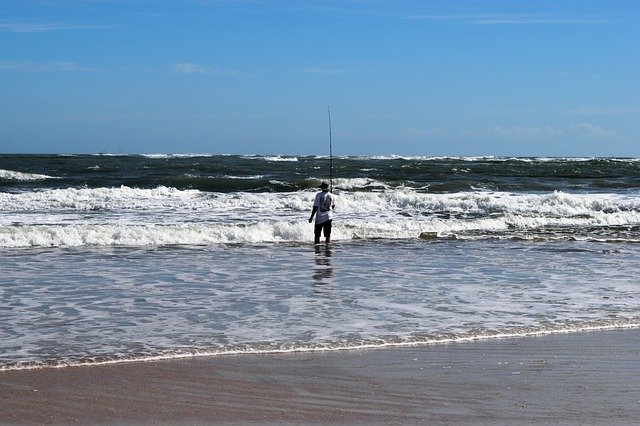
x=631, y=325
x=586, y=378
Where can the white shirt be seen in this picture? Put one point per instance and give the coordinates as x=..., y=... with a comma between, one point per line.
x=324, y=201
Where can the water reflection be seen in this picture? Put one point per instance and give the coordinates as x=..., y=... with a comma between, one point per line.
x=323, y=271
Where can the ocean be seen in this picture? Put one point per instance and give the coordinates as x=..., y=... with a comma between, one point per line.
x=120, y=258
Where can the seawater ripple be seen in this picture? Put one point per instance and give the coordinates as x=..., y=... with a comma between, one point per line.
x=74, y=306
x=271, y=350
x=231, y=173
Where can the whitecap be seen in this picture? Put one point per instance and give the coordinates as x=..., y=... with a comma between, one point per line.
x=21, y=176
x=280, y=158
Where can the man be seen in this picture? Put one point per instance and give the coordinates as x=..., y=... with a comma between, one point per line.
x=323, y=206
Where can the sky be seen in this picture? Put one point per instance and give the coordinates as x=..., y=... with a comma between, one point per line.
x=403, y=77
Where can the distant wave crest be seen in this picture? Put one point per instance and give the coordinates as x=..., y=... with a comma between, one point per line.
x=21, y=176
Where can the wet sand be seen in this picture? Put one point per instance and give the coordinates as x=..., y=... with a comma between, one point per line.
x=582, y=378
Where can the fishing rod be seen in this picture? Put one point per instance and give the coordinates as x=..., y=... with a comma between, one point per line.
x=330, y=154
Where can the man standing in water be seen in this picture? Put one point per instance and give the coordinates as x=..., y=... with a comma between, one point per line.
x=323, y=205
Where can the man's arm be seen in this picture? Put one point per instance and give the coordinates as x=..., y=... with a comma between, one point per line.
x=313, y=213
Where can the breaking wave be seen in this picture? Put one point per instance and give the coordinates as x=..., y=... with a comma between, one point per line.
x=168, y=216
x=21, y=176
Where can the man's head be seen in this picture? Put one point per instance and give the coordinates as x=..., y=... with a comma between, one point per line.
x=324, y=186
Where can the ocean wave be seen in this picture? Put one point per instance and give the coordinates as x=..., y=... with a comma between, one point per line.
x=492, y=158
x=176, y=155
x=347, y=184
x=135, y=235
x=401, y=200
x=299, y=231
x=272, y=158
x=372, y=344
x=253, y=177
x=161, y=216
x=556, y=204
x=280, y=158
x=95, y=199
x=282, y=173
x=21, y=176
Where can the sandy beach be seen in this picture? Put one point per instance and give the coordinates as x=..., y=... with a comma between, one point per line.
x=582, y=378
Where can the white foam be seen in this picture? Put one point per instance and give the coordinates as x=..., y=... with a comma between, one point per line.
x=245, y=177
x=279, y=158
x=93, y=198
x=120, y=233
x=132, y=216
x=515, y=333
x=357, y=183
x=376, y=204
x=489, y=158
x=21, y=176
x=176, y=155
x=148, y=235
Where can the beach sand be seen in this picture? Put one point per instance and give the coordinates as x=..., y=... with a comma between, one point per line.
x=580, y=378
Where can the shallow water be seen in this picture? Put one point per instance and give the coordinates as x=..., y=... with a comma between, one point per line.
x=75, y=305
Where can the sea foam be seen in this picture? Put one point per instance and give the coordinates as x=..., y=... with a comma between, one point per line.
x=160, y=216
x=21, y=176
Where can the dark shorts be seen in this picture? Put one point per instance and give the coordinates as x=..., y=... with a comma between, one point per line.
x=323, y=227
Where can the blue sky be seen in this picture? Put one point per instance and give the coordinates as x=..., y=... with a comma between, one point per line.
x=428, y=77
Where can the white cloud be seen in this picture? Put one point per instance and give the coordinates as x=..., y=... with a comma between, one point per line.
x=510, y=19
x=405, y=10
x=592, y=132
x=535, y=20
x=519, y=131
x=415, y=133
x=327, y=71
x=16, y=27
x=54, y=66
x=189, y=68
x=586, y=130
x=605, y=111
x=195, y=68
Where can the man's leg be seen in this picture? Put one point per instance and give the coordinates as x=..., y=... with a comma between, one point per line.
x=316, y=233
x=327, y=232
